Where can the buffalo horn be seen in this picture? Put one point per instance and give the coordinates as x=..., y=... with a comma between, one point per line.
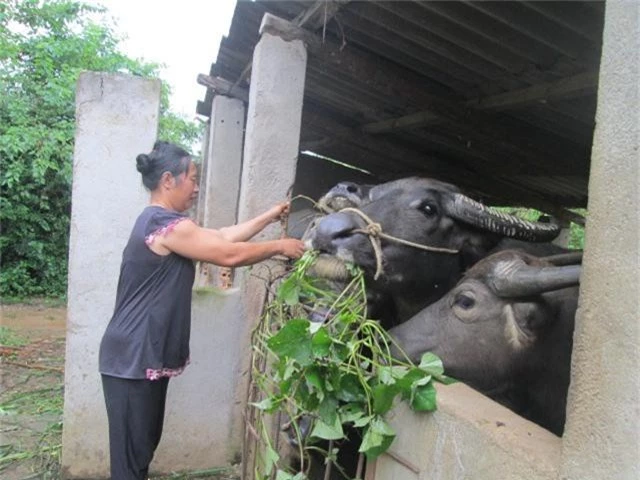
x=528, y=280
x=465, y=209
x=569, y=258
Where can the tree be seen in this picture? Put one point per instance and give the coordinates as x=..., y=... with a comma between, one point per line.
x=44, y=45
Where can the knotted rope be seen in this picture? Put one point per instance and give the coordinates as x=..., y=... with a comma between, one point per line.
x=374, y=231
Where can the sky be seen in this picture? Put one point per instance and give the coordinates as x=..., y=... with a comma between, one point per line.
x=184, y=35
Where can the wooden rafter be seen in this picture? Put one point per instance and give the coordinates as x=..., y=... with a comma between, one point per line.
x=313, y=17
x=578, y=85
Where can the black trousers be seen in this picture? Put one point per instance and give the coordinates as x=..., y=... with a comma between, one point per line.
x=135, y=409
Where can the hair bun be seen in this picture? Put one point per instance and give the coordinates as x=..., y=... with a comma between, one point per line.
x=143, y=163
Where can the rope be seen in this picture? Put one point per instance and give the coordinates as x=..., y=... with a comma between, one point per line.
x=374, y=231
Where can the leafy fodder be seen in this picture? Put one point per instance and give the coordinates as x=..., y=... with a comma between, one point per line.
x=324, y=369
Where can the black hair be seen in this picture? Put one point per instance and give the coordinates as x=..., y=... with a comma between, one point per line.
x=165, y=157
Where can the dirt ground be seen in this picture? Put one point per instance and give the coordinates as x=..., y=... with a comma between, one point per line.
x=32, y=347
x=31, y=391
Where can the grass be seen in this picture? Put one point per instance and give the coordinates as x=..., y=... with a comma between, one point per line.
x=45, y=302
x=10, y=338
x=45, y=454
x=35, y=402
x=217, y=473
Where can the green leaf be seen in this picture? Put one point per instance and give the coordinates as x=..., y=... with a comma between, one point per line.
x=407, y=383
x=269, y=404
x=350, y=389
x=383, y=396
x=289, y=291
x=271, y=458
x=315, y=382
x=282, y=475
x=424, y=398
x=431, y=363
x=351, y=412
x=294, y=341
x=326, y=431
x=321, y=343
x=389, y=374
x=377, y=438
x=328, y=410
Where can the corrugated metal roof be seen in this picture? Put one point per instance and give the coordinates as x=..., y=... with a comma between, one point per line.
x=496, y=97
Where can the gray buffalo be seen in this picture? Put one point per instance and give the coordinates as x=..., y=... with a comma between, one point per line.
x=505, y=329
x=429, y=233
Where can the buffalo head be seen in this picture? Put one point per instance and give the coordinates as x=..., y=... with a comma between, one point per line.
x=430, y=234
x=505, y=329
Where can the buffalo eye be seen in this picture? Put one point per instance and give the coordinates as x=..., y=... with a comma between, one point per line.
x=464, y=301
x=428, y=208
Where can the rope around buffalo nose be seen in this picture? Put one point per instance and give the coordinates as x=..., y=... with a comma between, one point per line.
x=374, y=231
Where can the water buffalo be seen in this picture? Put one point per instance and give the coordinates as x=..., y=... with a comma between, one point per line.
x=403, y=278
x=506, y=329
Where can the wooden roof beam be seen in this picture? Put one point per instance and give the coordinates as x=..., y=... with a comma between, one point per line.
x=578, y=85
x=403, y=159
x=220, y=86
x=318, y=12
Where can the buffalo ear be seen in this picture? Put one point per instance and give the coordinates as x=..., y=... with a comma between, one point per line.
x=533, y=316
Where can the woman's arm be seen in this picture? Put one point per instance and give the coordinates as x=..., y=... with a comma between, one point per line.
x=191, y=241
x=247, y=230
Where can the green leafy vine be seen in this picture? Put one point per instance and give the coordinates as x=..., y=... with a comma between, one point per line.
x=320, y=363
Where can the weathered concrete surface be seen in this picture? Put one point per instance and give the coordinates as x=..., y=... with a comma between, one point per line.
x=602, y=437
x=117, y=117
x=220, y=176
x=199, y=420
x=210, y=381
x=269, y=165
x=468, y=437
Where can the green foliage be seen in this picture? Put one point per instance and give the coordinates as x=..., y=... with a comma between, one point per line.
x=43, y=48
x=576, y=232
x=337, y=373
x=10, y=338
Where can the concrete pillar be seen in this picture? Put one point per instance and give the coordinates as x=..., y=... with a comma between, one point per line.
x=116, y=118
x=220, y=175
x=270, y=156
x=201, y=427
x=602, y=436
x=216, y=313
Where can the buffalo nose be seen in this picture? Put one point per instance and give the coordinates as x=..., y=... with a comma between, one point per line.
x=331, y=228
x=348, y=187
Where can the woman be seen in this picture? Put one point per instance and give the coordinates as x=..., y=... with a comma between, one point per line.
x=147, y=339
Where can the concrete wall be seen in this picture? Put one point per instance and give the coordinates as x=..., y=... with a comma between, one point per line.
x=472, y=437
x=468, y=437
x=602, y=438
x=217, y=312
x=116, y=118
x=269, y=166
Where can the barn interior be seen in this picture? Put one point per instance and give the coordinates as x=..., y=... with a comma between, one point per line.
x=498, y=98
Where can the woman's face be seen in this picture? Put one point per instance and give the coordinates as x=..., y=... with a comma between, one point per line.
x=186, y=188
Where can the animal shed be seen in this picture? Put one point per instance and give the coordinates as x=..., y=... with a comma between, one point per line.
x=496, y=97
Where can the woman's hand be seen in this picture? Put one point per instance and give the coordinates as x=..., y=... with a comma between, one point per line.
x=276, y=212
x=292, y=247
